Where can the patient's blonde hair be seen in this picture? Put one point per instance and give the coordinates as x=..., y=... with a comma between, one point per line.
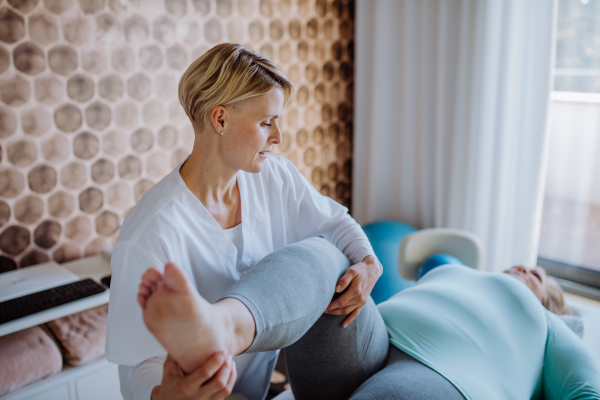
x=225, y=74
x=556, y=298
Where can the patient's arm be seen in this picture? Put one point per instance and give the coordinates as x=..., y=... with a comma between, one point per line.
x=570, y=371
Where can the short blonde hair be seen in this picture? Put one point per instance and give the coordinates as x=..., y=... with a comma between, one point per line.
x=556, y=300
x=225, y=74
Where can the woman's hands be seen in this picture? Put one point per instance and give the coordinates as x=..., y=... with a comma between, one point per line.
x=212, y=381
x=358, y=281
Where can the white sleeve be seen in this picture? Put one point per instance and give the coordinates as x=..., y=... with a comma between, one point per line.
x=349, y=237
x=128, y=341
x=137, y=382
x=314, y=214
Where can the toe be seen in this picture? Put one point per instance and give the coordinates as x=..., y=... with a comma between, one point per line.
x=151, y=276
x=142, y=300
x=174, y=278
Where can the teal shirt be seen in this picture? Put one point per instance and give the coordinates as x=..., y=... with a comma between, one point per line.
x=487, y=333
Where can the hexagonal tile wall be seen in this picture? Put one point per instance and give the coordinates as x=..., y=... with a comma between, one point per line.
x=90, y=118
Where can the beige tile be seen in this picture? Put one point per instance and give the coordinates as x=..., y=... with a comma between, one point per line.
x=78, y=229
x=59, y=6
x=8, y=122
x=118, y=195
x=137, y=29
x=103, y=171
x=167, y=137
x=176, y=7
x=37, y=120
x=42, y=178
x=73, y=175
x=107, y=223
x=66, y=252
x=77, y=30
x=91, y=200
x=126, y=114
x=177, y=57
x=130, y=167
x=22, y=153
x=62, y=59
x=29, y=209
x=4, y=213
x=61, y=204
x=141, y=188
x=13, y=26
x=95, y=247
x=43, y=28
x=151, y=57
x=139, y=87
x=80, y=88
x=47, y=234
x=123, y=59
x=110, y=87
x=202, y=6
x=14, y=90
x=108, y=30
x=24, y=6
x=114, y=143
x=163, y=29
x=213, y=30
x=4, y=60
x=48, y=89
x=142, y=140
x=14, y=239
x=33, y=257
x=94, y=60
x=224, y=8
x=86, y=145
x=92, y=6
x=98, y=115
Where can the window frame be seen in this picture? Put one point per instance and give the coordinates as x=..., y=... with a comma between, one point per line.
x=573, y=279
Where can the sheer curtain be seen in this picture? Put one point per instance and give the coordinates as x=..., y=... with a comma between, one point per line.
x=451, y=101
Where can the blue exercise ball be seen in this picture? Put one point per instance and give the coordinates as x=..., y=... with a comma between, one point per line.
x=385, y=237
x=435, y=261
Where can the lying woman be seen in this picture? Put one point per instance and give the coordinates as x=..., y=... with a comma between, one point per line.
x=458, y=334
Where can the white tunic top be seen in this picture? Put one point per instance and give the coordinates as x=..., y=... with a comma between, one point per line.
x=235, y=236
x=169, y=224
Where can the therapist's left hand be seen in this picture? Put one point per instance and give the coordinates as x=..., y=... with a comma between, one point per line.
x=357, y=282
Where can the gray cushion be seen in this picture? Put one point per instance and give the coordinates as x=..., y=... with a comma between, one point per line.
x=574, y=323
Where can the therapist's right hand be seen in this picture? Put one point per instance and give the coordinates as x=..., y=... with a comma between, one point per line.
x=212, y=381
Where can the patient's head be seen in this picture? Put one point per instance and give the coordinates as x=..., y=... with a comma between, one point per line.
x=544, y=287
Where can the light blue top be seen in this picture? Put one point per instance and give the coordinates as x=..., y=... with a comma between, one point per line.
x=489, y=335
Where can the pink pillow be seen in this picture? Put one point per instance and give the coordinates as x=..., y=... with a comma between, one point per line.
x=27, y=356
x=82, y=335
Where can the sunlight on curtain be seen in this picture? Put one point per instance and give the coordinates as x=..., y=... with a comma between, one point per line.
x=451, y=104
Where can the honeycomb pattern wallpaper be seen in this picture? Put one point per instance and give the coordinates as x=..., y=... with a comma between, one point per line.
x=89, y=115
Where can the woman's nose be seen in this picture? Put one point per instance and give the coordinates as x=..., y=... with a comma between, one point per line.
x=276, y=134
x=521, y=268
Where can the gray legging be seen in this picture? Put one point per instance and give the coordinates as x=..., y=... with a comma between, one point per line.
x=287, y=292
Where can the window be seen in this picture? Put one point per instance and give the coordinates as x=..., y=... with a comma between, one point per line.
x=570, y=234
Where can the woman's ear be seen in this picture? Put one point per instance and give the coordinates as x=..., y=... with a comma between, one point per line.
x=218, y=115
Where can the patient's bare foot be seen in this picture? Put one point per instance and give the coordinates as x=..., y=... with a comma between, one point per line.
x=189, y=328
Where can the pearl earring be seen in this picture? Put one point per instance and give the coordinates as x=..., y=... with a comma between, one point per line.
x=221, y=133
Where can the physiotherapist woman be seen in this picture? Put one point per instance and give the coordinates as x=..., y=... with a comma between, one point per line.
x=218, y=213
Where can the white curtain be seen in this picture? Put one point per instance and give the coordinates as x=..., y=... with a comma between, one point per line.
x=451, y=101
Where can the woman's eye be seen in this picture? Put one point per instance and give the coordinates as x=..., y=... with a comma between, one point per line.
x=534, y=273
x=265, y=124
